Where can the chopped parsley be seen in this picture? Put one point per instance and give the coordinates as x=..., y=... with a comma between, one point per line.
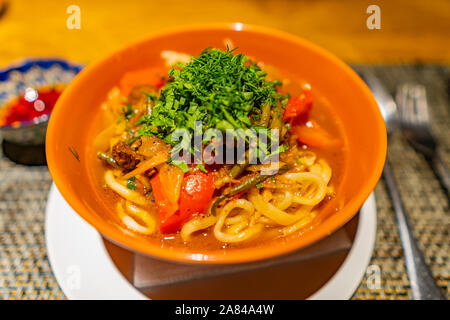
x=131, y=183
x=202, y=167
x=180, y=164
x=128, y=111
x=219, y=88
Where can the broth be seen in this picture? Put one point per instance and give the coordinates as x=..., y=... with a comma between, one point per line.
x=322, y=113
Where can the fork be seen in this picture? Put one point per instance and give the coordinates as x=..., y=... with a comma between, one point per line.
x=423, y=286
x=413, y=108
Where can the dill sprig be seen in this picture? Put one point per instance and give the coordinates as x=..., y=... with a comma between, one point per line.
x=222, y=89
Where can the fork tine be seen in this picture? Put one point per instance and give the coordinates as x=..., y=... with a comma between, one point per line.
x=415, y=119
x=404, y=103
x=422, y=104
x=413, y=106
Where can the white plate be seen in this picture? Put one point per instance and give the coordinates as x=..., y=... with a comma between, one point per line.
x=84, y=269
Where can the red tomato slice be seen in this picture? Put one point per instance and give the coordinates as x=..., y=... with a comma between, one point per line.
x=298, y=106
x=170, y=224
x=166, y=208
x=315, y=136
x=196, y=193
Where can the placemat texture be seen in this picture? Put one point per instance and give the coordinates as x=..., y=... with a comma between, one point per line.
x=25, y=272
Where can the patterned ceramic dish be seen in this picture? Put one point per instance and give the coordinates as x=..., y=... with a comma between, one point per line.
x=30, y=74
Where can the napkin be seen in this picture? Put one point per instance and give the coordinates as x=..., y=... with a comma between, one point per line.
x=150, y=273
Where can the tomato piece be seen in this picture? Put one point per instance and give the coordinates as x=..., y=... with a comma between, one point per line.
x=298, y=106
x=170, y=224
x=168, y=213
x=166, y=207
x=196, y=193
x=314, y=136
x=149, y=76
x=171, y=178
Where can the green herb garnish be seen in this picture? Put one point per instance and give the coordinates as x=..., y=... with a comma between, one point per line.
x=131, y=183
x=219, y=88
x=202, y=167
x=74, y=153
x=127, y=111
x=180, y=164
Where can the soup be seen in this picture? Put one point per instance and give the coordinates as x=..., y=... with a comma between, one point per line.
x=208, y=195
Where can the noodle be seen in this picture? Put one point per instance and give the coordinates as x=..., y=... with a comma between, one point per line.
x=240, y=229
x=131, y=223
x=322, y=169
x=126, y=193
x=240, y=220
x=269, y=210
x=253, y=201
x=311, y=188
x=196, y=224
x=302, y=222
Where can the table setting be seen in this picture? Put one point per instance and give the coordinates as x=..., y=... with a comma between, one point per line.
x=389, y=237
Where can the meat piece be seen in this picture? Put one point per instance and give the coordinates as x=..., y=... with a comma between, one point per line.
x=125, y=156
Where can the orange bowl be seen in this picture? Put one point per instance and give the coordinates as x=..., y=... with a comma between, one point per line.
x=351, y=100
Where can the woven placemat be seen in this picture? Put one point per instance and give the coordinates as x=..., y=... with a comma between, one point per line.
x=25, y=272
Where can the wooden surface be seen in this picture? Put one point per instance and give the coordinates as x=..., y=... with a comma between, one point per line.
x=411, y=30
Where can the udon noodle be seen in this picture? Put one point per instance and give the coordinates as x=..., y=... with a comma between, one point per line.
x=155, y=196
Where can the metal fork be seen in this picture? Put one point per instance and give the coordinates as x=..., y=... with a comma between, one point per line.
x=421, y=279
x=413, y=108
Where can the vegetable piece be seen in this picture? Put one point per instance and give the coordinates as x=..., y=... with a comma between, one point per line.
x=246, y=185
x=170, y=223
x=265, y=119
x=166, y=208
x=108, y=159
x=131, y=183
x=74, y=152
x=219, y=88
x=149, y=76
x=140, y=93
x=151, y=145
x=146, y=165
x=298, y=107
x=166, y=186
x=196, y=193
x=277, y=120
x=265, y=114
x=314, y=136
x=171, y=179
x=239, y=167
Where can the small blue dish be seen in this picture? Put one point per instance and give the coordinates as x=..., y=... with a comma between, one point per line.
x=32, y=73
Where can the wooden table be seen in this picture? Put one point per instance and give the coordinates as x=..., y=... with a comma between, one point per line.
x=411, y=31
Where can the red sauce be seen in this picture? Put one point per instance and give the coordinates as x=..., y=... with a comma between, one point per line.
x=32, y=105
